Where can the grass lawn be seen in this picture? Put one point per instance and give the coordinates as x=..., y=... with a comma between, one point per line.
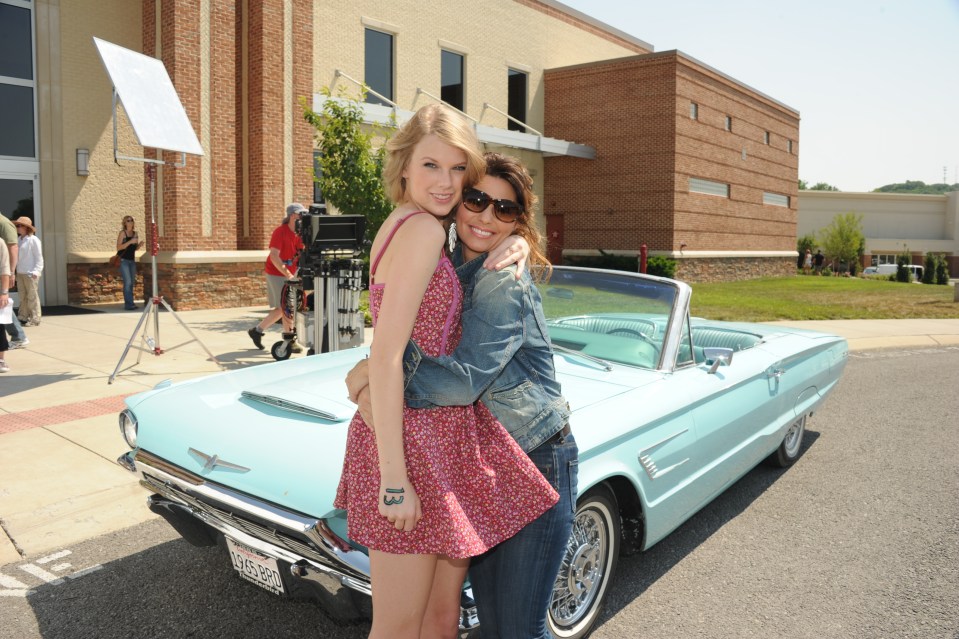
x=821, y=298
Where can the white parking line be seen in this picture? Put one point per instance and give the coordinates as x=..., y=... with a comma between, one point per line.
x=14, y=593
x=53, y=557
x=85, y=571
x=40, y=573
x=10, y=582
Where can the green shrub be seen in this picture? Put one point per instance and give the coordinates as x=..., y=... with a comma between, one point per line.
x=661, y=266
x=655, y=264
x=903, y=260
x=929, y=268
x=942, y=270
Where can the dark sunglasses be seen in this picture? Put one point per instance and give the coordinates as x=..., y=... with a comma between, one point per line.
x=505, y=210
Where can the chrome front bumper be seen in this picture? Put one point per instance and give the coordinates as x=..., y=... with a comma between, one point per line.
x=306, y=543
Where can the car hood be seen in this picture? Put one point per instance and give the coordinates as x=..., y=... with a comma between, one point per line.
x=277, y=431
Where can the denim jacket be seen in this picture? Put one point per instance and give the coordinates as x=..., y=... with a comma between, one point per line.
x=505, y=358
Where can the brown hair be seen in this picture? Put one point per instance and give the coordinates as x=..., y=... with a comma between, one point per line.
x=448, y=126
x=512, y=171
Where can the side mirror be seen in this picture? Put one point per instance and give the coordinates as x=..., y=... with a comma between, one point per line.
x=717, y=356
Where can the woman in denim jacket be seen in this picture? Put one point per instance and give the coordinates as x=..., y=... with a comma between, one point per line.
x=506, y=361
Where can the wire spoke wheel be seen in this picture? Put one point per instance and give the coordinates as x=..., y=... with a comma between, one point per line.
x=587, y=566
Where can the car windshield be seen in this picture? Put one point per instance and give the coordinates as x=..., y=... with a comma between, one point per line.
x=617, y=317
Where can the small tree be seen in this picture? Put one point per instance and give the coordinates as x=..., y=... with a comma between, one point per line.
x=942, y=270
x=350, y=168
x=929, y=268
x=903, y=260
x=841, y=240
x=822, y=186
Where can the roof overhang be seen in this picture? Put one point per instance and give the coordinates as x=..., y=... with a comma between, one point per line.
x=393, y=116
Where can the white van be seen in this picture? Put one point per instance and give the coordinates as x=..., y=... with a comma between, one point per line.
x=890, y=269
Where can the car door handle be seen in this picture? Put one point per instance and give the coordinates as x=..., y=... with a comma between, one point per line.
x=775, y=372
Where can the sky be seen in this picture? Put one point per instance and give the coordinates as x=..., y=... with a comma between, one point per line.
x=876, y=83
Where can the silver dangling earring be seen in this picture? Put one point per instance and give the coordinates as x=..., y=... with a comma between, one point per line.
x=451, y=237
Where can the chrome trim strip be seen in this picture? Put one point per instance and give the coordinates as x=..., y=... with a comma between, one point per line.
x=285, y=404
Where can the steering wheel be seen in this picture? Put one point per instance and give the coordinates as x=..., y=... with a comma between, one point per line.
x=634, y=333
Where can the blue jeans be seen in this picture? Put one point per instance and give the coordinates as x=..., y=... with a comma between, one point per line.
x=513, y=582
x=15, y=330
x=128, y=269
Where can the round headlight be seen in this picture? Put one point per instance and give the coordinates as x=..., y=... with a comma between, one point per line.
x=128, y=427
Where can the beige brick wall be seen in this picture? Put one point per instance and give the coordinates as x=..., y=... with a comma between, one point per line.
x=501, y=34
x=91, y=207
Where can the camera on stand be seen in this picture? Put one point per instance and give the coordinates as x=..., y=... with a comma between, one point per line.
x=330, y=267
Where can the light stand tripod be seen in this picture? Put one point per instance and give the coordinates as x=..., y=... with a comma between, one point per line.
x=152, y=343
x=159, y=121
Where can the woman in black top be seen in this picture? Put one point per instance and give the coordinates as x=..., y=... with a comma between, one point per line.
x=127, y=244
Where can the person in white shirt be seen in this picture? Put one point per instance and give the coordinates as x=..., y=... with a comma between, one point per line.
x=29, y=269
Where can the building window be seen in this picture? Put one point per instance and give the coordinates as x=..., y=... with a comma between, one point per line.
x=17, y=126
x=693, y=111
x=708, y=187
x=379, y=65
x=883, y=258
x=775, y=199
x=516, y=100
x=789, y=145
x=451, y=79
x=766, y=137
x=729, y=123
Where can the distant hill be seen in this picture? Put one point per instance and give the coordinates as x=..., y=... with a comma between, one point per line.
x=910, y=186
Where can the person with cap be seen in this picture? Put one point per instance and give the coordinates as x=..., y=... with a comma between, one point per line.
x=29, y=269
x=281, y=266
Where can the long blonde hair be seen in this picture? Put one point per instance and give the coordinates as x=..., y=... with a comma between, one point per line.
x=446, y=124
x=512, y=171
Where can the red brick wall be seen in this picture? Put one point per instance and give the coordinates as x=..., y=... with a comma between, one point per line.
x=704, y=149
x=225, y=129
x=635, y=112
x=625, y=196
x=302, y=89
x=265, y=82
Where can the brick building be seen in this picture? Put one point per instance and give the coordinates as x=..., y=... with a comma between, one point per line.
x=602, y=121
x=694, y=164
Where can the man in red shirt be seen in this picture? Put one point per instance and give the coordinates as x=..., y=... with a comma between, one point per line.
x=281, y=265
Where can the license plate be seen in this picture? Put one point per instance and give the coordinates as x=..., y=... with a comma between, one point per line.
x=255, y=567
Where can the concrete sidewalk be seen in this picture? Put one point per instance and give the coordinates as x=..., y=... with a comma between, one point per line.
x=59, y=481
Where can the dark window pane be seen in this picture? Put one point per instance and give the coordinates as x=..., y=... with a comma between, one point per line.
x=379, y=65
x=16, y=121
x=516, y=106
x=452, y=79
x=16, y=198
x=16, y=46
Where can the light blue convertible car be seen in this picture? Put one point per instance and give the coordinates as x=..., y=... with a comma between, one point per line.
x=668, y=412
